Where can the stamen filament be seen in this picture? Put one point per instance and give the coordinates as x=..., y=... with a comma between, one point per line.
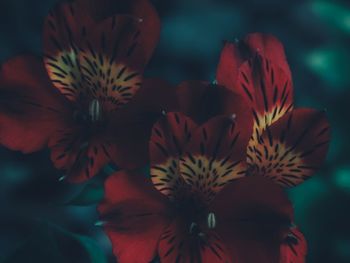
x=211, y=221
x=95, y=110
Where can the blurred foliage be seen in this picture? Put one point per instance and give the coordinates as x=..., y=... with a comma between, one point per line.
x=316, y=36
x=331, y=64
x=50, y=243
x=335, y=15
x=91, y=194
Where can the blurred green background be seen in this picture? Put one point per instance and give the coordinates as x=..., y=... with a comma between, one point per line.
x=44, y=219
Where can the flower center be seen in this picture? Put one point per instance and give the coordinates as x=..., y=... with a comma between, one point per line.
x=211, y=221
x=195, y=229
x=95, y=110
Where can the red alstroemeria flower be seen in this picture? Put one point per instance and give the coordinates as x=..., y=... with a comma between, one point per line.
x=201, y=207
x=88, y=100
x=201, y=100
x=287, y=144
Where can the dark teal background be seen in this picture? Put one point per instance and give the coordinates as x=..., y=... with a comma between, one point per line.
x=37, y=225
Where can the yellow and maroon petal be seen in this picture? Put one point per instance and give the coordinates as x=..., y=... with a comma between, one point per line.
x=268, y=91
x=215, y=156
x=177, y=244
x=63, y=31
x=100, y=10
x=169, y=136
x=112, y=60
x=293, y=247
x=100, y=60
x=291, y=149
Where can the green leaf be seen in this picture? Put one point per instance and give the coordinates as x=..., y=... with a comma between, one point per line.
x=334, y=14
x=331, y=64
x=40, y=248
x=110, y=169
x=95, y=253
x=341, y=178
x=91, y=194
x=51, y=243
x=307, y=194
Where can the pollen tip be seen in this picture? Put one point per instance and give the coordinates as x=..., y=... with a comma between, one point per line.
x=163, y=112
x=214, y=82
x=236, y=40
x=140, y=20
x=233, y=117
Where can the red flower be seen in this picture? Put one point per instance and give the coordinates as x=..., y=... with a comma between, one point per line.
x=88, y=100
x=287, y=144
x=205, y=209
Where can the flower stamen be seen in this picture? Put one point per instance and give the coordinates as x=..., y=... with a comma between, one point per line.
x=95, y=110
x=211, y=221
x=193, y=227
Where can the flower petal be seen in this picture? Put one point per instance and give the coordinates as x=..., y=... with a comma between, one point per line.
x=80, y=158
x=233, y=55
x=268, y=92
x=30, y=108
x=131, y=126
x=64, y=29
x=112, y=60
x=134, y=216
x=169, y=135
x=252, y=199
x=294, y=247
x=267, y=89
x=140, y=9
x=155, y=96
x=202, y=101
x=178, y=245
x=253, y=214
x=103, y=61
x=269, y=47
x=291, y=149
x=215, y=155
